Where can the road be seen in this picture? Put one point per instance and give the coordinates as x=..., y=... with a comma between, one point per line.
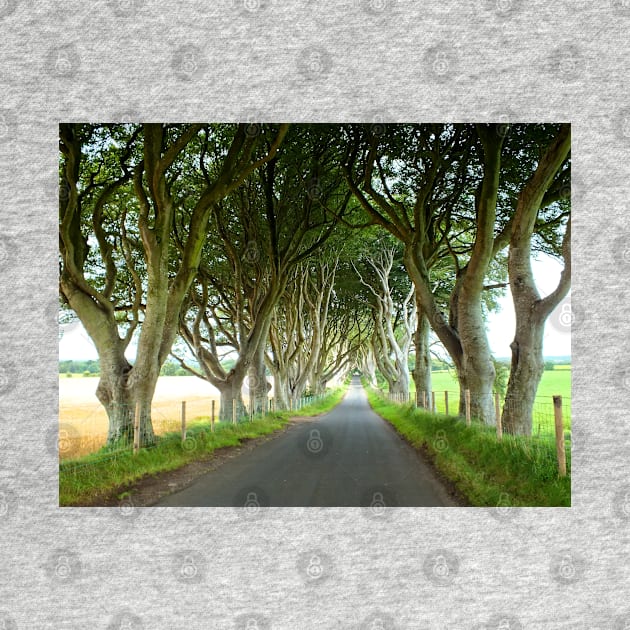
x=347, y=457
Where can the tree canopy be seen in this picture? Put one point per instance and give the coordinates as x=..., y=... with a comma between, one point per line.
x=305, y=250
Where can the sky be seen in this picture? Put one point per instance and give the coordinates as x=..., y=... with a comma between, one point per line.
x=76, y=344
x=557, y=339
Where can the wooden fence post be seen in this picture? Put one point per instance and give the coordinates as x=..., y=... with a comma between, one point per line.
x=136, y=429
x=467, y=396
x=497, y=413
x=234, y=411
x=562, y=456
x=424, y=399
x=183, y=420
x=433, y=407
x=212, y=417
x=446, y=402
x=417, y=398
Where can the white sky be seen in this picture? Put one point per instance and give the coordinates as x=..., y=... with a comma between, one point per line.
x=76, y=344
x=501, y=324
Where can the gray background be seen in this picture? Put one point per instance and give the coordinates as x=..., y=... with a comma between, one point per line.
x=371, y=61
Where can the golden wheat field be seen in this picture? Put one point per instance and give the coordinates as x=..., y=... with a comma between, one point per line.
x=83, y=421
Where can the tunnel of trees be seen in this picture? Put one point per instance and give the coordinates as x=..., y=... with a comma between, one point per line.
x=305, y=251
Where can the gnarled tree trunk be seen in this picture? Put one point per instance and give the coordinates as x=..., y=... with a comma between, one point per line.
x=525, y=374
x=257, y=384
x=531, y=311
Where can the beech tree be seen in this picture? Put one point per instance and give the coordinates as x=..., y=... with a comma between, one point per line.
x=545, y=187
x=265, y=229
x=412, y=187
x=394, y=320
x=121, y=189
x=298, y=327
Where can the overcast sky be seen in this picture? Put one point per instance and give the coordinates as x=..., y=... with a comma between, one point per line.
x=76, y=344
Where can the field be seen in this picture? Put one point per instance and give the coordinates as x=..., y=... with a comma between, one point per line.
x=553, y=382
x=83, y=421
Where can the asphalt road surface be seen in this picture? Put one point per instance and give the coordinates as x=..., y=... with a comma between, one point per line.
x=347, y=457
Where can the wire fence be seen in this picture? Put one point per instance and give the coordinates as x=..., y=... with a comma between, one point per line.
x=546, y=425
x=85, y=429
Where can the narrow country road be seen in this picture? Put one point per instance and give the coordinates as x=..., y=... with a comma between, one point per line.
x=347, y=457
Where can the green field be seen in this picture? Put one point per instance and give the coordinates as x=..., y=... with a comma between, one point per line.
x=554, y=382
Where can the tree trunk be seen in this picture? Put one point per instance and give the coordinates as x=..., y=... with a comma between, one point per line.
x=119, y=390
x=400, y=386
x=231, y=396
x=422, y=367
x=114, y=395
x=257, y=383
x=318, y=386
x=296, y=389
x=368, y=366
x=280, y=390
x=478, y=370
x=525, y=374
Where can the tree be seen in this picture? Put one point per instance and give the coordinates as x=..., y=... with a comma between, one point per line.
x=265, y=229
x=415, y=186
x=122, y=189
x=297, y=329
x=394, y=320
x=545, y=187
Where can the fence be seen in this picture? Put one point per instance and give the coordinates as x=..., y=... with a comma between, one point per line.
x=83, y=429
x=551, y=416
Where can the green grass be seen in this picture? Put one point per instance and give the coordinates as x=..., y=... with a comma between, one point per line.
x=98, y=475
x=516, y=471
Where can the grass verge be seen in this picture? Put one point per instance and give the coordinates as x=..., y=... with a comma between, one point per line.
x=84, y=479
x=514, y=472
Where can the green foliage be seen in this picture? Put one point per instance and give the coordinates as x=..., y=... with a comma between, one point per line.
x=549, y=366
x=514, y=472
x=437, y=365
x=502, y=373
x=79, y=367
x=171, y=368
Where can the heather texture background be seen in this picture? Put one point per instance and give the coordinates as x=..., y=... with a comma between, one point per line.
x=376, y=60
